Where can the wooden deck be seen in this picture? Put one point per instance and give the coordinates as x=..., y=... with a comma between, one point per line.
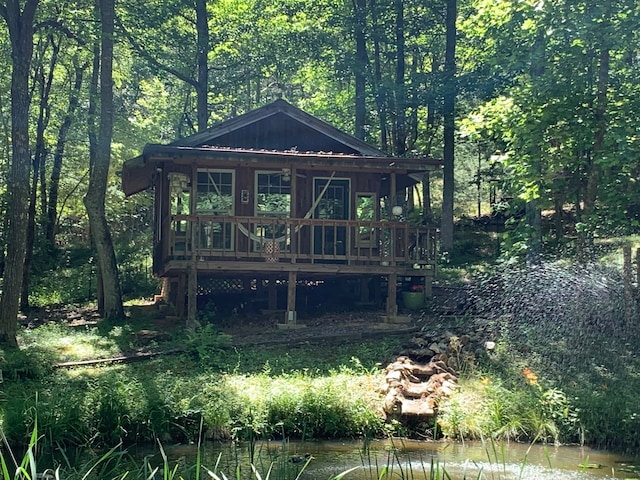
x=224, y=244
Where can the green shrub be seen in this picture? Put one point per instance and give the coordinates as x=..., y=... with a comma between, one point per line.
x=485, y=408
x=25, y=364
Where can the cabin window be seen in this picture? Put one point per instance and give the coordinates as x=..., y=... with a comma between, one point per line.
x=214, y=197
x=179, y=205
x=274, y=195
x=366, y=212
x=273, y=200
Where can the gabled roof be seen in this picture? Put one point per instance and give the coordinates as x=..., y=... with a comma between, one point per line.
x=275, y=132
x=279, y=126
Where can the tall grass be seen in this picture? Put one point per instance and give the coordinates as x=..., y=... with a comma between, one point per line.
x=115, y=464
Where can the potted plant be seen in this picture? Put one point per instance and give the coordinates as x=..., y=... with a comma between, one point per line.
x=414, y=297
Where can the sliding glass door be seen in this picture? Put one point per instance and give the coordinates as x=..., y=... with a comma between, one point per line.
x=332, y=198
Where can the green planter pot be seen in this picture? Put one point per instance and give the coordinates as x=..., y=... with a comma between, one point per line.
x=413, y=300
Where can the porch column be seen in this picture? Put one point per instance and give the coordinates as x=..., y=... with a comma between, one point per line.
x=192, y=294
x=291, y=314
x=293, y=213
x=393, y=199
x=180, y=295
x=428, y=284
x=392, y=306
x=392, y=247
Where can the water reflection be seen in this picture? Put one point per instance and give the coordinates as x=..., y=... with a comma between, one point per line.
x=408, y=459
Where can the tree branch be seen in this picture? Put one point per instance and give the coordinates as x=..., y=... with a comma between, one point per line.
x=151, y=59
x=57, y=25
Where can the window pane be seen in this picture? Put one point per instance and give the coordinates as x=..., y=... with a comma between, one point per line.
x=274, y=195
x=215, y=193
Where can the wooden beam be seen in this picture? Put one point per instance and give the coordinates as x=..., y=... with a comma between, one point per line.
x=392, y=306
x=192, y=295
x=180, y=295
x=233, y=267
x=291, y=315
x=392, y=193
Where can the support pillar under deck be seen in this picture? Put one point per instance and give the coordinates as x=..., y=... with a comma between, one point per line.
x=291, y=314
x=192, y=305
x=180, y=295
x=392, y=306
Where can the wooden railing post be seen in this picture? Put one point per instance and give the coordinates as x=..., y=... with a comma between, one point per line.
x=389, y=242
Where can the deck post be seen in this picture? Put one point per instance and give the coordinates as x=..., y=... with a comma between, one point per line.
x=180, y=295
x=428, y=284
x=291, y=314
x=192, y=292
x=392, y=306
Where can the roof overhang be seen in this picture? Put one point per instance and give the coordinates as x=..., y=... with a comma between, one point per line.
x=137, y=173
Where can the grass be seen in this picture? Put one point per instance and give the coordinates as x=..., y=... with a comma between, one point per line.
x=303, y=391
x=306, y=391
x=253, y=394
x=238, y=392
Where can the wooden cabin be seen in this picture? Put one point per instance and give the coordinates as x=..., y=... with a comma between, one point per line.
x=277, y=197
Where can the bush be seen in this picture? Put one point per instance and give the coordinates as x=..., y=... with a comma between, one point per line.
x=485, y=408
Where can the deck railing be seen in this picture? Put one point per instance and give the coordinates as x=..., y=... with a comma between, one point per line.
x=299, y=240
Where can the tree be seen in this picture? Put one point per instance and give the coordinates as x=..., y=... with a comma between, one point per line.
x=448, y=111
x=359, y=68
x=20, y=22
x=175, y=18
x=94, y=199
x=44, y=81
x=566, y=146
x=63, y=132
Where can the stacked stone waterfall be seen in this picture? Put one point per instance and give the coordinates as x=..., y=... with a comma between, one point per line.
x=414, y=388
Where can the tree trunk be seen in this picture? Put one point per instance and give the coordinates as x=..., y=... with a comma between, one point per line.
x=202, y=83
x=401, y=101
x=591, y=191
x=56, y=169
x=44, y=114
x=533, y=213
x=427, y=212
x=94, y=200
x=446, y=230
x=359, y=69
x=378, y=88
x=20, y=26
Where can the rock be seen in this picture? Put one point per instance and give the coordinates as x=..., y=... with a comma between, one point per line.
x=394, y=375
x=416, y=390
x=420, y=407
x=390, y=401
x=413, y=388
x=423, y=371
x=490, y=346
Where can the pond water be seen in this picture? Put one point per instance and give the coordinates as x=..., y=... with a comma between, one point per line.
x=409, y=459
